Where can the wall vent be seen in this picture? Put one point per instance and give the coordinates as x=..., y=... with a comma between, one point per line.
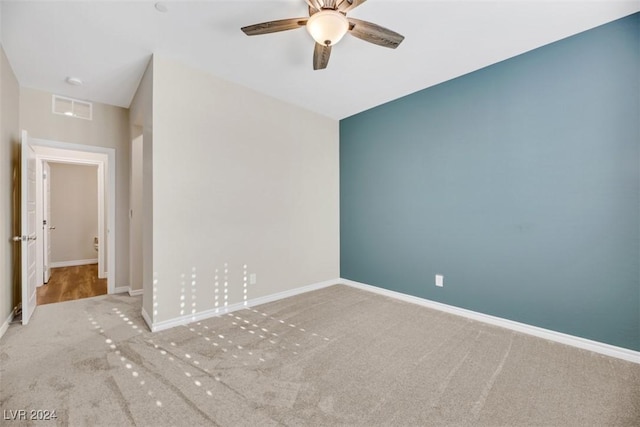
x=72, y=107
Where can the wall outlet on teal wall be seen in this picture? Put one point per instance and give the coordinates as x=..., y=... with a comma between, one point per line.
x=439, y=280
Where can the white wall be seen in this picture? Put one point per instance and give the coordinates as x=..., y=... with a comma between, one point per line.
x=74, y=212
x=239, y=178
x=0, y=22
x=141, y=119
x=135, y=221
x=110, y=129
x=9, y=145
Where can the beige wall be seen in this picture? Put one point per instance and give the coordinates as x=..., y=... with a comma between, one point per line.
x=109, y=128
x=135, y=220
x=239, y=178
x=74, y=212
x=9, y=140
x=141, y=184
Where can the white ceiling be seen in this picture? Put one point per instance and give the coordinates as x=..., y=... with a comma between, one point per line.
x=108, y=44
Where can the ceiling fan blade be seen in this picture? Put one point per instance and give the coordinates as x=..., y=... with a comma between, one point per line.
x=345, y=6
x=375, y=34
x=274, y=26
x=321, y=55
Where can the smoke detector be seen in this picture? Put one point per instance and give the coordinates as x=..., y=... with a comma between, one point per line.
x=74, y=81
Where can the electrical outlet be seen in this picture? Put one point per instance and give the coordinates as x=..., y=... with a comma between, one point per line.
x=439, y=280
x=253, y=279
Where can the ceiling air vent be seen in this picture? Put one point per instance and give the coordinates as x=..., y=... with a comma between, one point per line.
x=72, y=107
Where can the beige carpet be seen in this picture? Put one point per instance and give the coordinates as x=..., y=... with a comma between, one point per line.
x=337, y=356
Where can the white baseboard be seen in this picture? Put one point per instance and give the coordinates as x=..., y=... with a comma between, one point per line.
x=583, y=343
x=121, y=289
x=189, y=318
x=6, y=323
x=74, y=263
x=135, y=292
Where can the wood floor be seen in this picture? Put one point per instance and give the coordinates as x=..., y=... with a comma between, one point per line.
x=71, y=283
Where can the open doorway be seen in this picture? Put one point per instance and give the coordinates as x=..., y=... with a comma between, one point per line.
x=71, y=214
x=75, y=197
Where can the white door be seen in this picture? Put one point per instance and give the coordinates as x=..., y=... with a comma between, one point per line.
x=28, y=228
x=47, y=227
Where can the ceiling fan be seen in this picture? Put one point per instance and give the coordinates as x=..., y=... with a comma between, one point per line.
x=328, y=23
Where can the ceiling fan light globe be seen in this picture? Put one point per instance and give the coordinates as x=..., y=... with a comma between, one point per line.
x=327, y=27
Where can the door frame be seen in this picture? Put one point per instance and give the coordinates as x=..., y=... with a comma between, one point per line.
x=105, y=159
x=46, y=226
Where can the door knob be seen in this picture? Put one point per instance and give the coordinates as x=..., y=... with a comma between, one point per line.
x=30, y=238
x=17, y=238
x=52, y=228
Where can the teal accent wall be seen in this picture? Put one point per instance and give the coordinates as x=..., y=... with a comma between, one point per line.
x=520, y=183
